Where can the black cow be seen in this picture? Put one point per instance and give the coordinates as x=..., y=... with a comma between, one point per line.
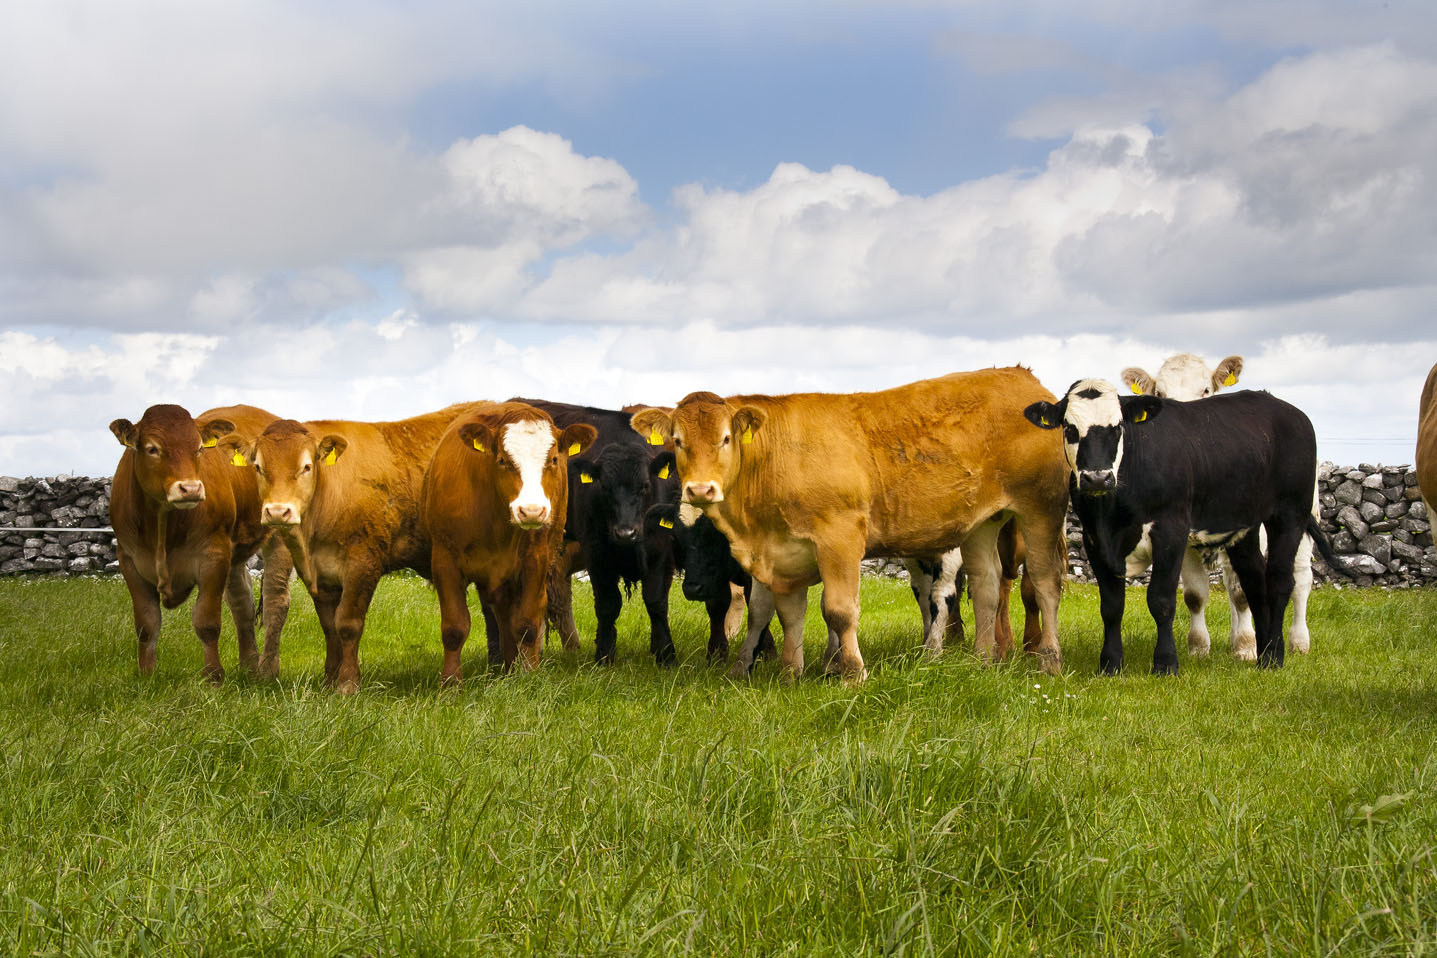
x=1202, y=474
x=702, y=552
x=611, y=489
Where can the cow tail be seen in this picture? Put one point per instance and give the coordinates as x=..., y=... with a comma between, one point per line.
x=1319, y=539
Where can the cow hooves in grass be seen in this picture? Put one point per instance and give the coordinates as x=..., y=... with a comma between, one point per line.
x=1052, y=662
x=852, y=679
x=268, y=669
x=1165, y=668
x=738, y=671
x=1110, y=667
x=1270, y=660
x=1298, y=642
x=1199, y=648
x=214, y=676
x=1244, y=647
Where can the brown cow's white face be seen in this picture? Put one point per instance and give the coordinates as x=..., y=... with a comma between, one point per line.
x=167, y=446
x=530, y=453
x=287, y=461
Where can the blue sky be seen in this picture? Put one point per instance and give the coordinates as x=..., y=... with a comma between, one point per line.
x=368, y=209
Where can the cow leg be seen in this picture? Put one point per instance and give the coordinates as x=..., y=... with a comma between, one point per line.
x=920, y=583
x=607, y=604
x=980, y=561
x=1032, y=614
x=214, y=576
x=274, y=602
x=1169, y=547
x=493, y=636
x=839, y=568
x=1245, y=559
x=561, y=607
x=1112, y=595
x=761, y=606
x=1045, y=556
x=791, y=607
x=658, y=580
x=1298, y=638
x=239, y=596
x=718, y=610
x=1242, y=629
x=326, y=604
x=454, y=621
x=1195, y=596
x=1284, y=537
x=953, y=633
x=733, y=621
x=145, y=599
x=349, y=626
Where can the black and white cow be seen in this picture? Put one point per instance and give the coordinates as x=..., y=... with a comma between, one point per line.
x=1186, y=377
x=1197, y=473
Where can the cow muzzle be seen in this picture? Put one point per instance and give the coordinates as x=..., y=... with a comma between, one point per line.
x=1097, y=482
x=529, y=515
x=186, y=493
x=279, y=514
x=702, y=493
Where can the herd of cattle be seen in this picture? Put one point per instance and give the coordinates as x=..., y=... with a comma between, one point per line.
x=754, y=498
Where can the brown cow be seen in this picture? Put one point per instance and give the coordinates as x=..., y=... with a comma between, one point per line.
x=344, y=496
x=183, y=518
x=805, y=485
x=1427, y=442
x=493, y=504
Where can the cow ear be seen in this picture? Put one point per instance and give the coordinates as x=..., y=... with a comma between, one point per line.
x=331, y=448
x=582, y=472
x=655, y=425
x=236, y=451
x=663, y=466
x=477, y=436
x=1137, y=379
x=747, y=421
x=125, y=431
x=1046, y=415
x=1137, y=409
x=661, y=519
x=577, y=437
x=1226, y=372
x=213, y=431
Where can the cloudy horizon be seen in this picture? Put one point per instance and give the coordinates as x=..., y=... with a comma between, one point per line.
x=367, y=211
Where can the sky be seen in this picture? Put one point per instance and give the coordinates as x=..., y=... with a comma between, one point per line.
x=368, y=210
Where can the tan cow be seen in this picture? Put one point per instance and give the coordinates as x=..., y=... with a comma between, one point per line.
x=1427, y=442
x=493, y=505
x=344, y=497
x=805, y=485
x=184, y=519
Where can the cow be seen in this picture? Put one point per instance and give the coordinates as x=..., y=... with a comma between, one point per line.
x=493, y=505
x=185, y=520
x=344, y=497
x=611, y=489
x=1202, y=474
x=1427, y=442
x=805, y=485
x=1186, y=378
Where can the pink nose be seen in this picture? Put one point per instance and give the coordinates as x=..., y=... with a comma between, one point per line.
x=531, y=514
x=280, y=514
x=187, y=490
x=700, y=492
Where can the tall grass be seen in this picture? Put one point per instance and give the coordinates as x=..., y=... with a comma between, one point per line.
x=943, y=807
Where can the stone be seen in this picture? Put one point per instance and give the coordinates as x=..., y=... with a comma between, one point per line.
x=1348, y=492
x=1412, y=555
x=1395, y=510
x=81, y=564
x=1370, y=511
x=9, y=484
x=1384, y=526
x=1415, y=526
x=1378, y=547
x=1367, y=467
x=1412, y=494
x=53, y=550
x=1327, y=500
x=46, y=564
x=1352, y=519
x=1410, y=479
x=1373, y=481
x=13, y=566
x=1356, y=475
x=1344, y=542
x=1417, y=510
x=1374, y=496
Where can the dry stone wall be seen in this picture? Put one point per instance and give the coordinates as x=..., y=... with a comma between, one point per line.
x=1373, y=515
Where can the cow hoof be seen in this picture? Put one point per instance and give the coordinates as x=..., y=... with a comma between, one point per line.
x=1244, y=647
x=346, y=686
x=1165, y=668
x=853, y=679
x=1269, y=661
x=1199, y=648
x=1298, y=642
x=268, y=668
x=215, y=676
x=738, y=671
x=1113, y=667
x=1051, y=662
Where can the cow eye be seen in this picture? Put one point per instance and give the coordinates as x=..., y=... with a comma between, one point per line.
x=306, y=468
x=554, y=461
x=152, y=449
x=1160, y=394
x=678, y=443
x=1206, y=393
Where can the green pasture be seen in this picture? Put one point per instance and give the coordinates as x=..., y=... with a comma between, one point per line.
x=943, y=807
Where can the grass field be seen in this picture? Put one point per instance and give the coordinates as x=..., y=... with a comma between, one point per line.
x=943, y=807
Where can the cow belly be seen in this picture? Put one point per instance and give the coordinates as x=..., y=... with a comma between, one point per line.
x=782, y=564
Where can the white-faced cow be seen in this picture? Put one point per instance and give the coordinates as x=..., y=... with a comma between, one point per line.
x=183, y=518
x=1186, y=377
x=805, y=485
x=1187, y=473
x=494, y=504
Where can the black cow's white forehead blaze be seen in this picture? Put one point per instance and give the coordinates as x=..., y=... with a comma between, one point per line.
x=1092, y=427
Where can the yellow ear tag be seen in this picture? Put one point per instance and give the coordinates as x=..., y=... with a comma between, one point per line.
x=664, y=472
x=1137, y=389
x=1141, y=416
x=331, y=458
x=747, y=436
x=1045, y=421
x=211, y=442
x=666, y=523
x=1231, y=380
x=478, y=445
x=654, y=438
x=239, y=460
x=575, y=449
x=585, y=478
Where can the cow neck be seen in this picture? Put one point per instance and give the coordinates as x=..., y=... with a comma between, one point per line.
x=162, y=556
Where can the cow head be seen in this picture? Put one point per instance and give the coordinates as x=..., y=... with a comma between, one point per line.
x=528, y=457
x=709, y=437
x=1094, y=418
x=1184, y=377
x=616, y=489
x=167, y=444
x=288, y=460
